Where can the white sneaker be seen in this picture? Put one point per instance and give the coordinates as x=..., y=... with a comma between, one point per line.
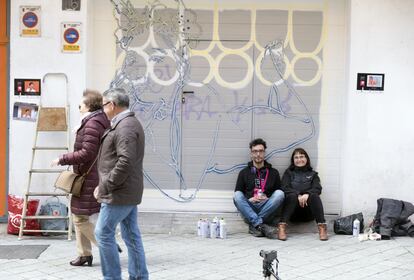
x=375, y=236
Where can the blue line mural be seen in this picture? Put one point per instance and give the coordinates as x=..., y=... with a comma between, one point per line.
x=180, y=32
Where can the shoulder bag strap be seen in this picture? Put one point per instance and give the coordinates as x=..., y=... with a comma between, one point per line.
x=90, y=167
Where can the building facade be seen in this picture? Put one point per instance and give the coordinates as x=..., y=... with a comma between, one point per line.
x=206, y=77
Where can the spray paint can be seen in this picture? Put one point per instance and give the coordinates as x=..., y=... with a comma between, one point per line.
x=213, y=229
x=223, y=229
x=355, y=228
x=208, y=228
x=199, y=227
x=205, y=228
x=217, y=221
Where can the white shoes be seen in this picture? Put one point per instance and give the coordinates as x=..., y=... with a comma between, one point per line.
x=369, y=235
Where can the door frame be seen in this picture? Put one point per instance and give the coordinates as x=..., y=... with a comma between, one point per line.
x=4, y=102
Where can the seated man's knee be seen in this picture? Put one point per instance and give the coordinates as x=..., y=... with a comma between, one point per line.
x=238, y=195
x=278, y=195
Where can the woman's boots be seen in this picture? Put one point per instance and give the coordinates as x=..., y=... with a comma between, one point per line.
x=322, y=228
x=281, y=228
x=323, y=231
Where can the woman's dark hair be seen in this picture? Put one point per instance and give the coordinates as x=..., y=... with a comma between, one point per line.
x=302, y=152
x=92, y=100
x=258, y=141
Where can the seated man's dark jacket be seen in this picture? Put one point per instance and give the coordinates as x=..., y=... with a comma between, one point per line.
x=301, y=180
x=245, y=181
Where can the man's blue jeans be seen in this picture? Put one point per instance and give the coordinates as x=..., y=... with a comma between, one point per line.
x=256, y=213
x=109, y=217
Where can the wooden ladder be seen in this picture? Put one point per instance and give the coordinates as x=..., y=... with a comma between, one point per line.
x=50, y=120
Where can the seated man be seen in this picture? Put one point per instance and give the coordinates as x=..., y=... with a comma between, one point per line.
x=257, y=195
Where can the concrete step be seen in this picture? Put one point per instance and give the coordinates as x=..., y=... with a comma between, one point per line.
x=186, y=222
x=177, y=223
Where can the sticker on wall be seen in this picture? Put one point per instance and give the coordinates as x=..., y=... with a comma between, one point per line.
x=30, y=21
x=25, y=111
x=370, y=82
x=71, y=37
x=24, y=87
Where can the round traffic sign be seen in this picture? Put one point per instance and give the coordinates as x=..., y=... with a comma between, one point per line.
x=30, y=19
x=71, y=35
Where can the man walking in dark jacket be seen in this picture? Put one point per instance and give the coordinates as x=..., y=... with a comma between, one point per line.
x=120, y=187
x=257, y=195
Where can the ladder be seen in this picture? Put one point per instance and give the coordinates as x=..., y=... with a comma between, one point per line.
x=50, y=120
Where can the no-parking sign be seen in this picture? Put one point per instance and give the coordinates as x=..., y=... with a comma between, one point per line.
x=30, y=21
x=71, y=37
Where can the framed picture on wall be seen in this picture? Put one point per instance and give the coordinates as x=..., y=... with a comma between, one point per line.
x=25, y=111
x=27, y=87
x=370, y=82
x=374, y=81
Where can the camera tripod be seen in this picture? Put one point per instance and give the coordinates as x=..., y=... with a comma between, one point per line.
x=268, y=271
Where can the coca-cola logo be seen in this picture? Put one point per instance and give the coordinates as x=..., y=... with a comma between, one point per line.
x=15, y=219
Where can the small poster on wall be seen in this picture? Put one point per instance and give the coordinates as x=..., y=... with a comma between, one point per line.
x=25, y=111
x=29, y=87
x=71, y=37
x=30, y=21
x=370, y=82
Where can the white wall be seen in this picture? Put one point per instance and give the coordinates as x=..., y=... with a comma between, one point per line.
x=33, y=58
x=379, y=142
x=101, y=61
x=378, y=137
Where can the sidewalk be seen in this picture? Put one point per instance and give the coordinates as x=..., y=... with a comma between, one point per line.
x=180, y=257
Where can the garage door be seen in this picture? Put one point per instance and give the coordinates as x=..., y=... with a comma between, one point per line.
x=238, y=73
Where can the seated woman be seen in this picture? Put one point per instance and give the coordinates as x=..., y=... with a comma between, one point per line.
x=302, y=188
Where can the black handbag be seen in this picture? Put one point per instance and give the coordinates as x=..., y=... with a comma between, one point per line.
x=344, y=225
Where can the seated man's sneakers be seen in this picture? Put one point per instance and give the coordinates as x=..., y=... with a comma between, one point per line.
x=263, y=230
x=256, y=231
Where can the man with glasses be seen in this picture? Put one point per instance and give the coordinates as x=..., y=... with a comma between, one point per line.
x=257, y=195
x=120, y=187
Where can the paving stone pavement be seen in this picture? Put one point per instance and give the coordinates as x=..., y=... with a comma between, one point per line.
x=181, y=257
